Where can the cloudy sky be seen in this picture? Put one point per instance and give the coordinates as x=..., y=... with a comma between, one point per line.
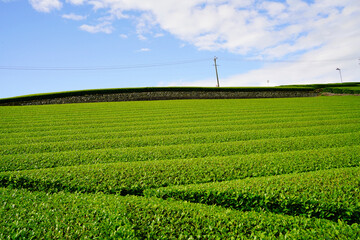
x=59, y=45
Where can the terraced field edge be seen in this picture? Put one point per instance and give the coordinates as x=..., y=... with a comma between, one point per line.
x=159, y=93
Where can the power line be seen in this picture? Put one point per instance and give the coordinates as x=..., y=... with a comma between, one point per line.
x=286, y=61
x=101, y=68
x=161, y=64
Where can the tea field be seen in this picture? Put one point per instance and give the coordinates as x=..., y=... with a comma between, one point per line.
x=284, y=168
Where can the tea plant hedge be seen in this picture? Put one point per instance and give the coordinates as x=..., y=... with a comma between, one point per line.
x=134, y=177
x=39, y=215
x=275, y=168
x=330, y=194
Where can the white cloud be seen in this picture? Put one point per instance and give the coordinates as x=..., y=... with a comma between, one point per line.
x=318, y=66
x=75, y=2
x=97, y=4
x=157, y=35
x=145, y=23
x=45, y=5
x=123, y=36
x=307, y=31
x=266, y=28
x=74, y=17
x=104, y=27
x=333, y=42
x=142, y=37
x=273, y=8
x=285, y=73
x=144, y=50
x=118, y=14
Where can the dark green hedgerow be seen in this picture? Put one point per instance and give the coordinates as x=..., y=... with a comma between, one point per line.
x=330, y=194
x=134, y=177
x=343, y=90
x=38, y=215
x=325, y=85
x=150, y=89
x=71, y=158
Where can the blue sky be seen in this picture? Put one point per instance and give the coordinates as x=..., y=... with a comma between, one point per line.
x=60, y=45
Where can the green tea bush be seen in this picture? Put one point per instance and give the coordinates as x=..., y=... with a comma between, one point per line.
x=133, y=177
x=330, y=194
x=343, y=90
x=38, y=215
x=184, y=138
x=183, y=151
x=165, y=130
x=65, y=168
x=188, y=121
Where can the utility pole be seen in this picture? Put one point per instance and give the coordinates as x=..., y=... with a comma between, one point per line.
x=338, y=69
x=217, y=76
